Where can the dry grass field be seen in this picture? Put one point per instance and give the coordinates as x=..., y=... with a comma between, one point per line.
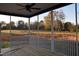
x=6, y=34
x=13, y=33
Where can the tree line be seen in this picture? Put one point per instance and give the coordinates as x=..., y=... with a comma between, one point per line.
x=58, y=24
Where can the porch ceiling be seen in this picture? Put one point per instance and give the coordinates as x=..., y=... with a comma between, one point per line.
x=12, y=9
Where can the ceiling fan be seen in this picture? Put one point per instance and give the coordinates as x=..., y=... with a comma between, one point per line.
x=28, y=7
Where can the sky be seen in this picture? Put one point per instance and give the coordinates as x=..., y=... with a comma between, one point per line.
x=69, y=12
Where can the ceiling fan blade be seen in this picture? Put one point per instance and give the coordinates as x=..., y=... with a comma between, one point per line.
x=29, y=10
x=36, y=8
x=21, y=9
x=20, y=5
x=32, y=4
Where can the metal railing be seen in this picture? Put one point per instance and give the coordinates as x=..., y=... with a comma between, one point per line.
x=64, y=46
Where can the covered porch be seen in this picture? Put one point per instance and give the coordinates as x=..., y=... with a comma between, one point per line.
x=35, y=41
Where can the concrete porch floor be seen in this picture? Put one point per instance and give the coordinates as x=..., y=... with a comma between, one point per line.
x=29, y=51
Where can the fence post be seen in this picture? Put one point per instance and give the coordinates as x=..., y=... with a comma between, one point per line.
x=76, y=29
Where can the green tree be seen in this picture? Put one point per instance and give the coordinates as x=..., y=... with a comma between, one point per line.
x=47, y=21
x=34, y=25
x=3, y=25
x=20, y=24
x=26, y=26
x=58, y=25
x=8, y=26
x=41, y=25
x=12, y=24
x=58, y=19
x=68, y=26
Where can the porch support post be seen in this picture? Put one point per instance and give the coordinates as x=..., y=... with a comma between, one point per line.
x=76, y=29
x=29, y=24
x=38, y=22
x=38, y=31
x=0, y=41
x=10, y=25
x=52, y=30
